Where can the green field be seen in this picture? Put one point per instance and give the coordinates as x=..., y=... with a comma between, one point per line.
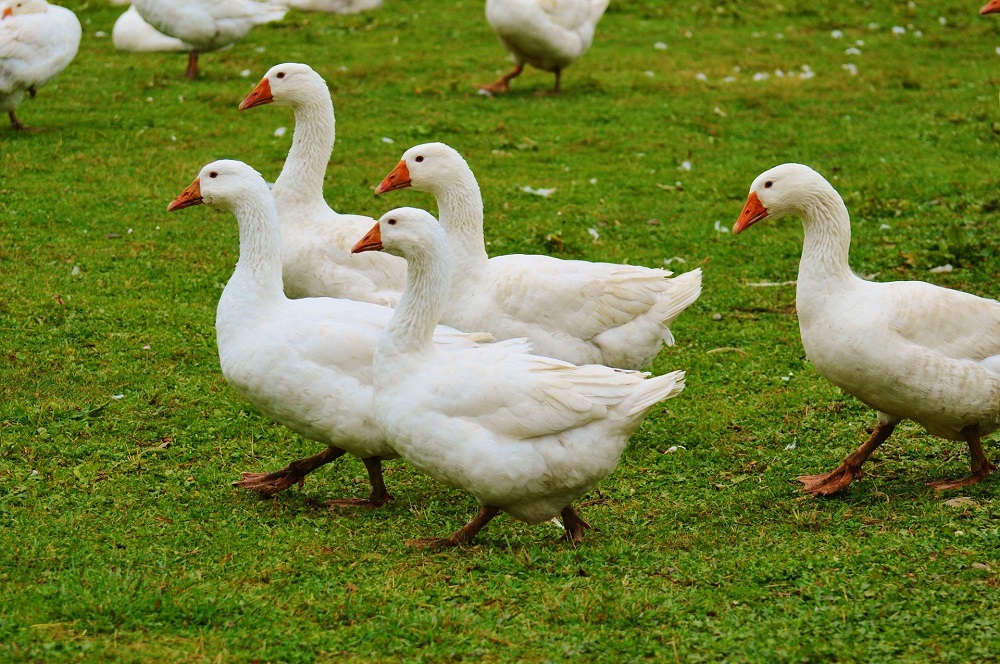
x=121, y=538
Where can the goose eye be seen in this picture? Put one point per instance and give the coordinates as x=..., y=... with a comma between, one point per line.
x=280, y=74
x=419, y=159
x=391, y=222
x=768, y=184
x=213, y=174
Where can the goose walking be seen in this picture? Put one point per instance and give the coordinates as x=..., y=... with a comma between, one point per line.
x=208, y=25
x=908, y=349
x=37, y=41
x=547, y=34
x=577, y=311
x=524, y=434
x=305, y=363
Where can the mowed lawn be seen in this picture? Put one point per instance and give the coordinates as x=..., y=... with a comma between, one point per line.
x=121, y=538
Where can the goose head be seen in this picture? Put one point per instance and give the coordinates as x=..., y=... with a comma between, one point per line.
x=785, y=190
x=287, y=84
x=221, y=185
x=425, y=167
x=991, y=7
x=21, y=7
x=405, y=232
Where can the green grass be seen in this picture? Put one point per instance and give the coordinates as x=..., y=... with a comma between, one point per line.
x=120, y=537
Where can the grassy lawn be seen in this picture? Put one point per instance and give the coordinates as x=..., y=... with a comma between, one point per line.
x=121, y=538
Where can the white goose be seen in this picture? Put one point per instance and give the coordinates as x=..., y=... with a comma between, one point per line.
x=547, y=34
x=208, y=25
x=131, y=33
x=317, y=240
x=304, y=363
x=578, y=311
x=908, y=349
x=524, y=434
x=336, y=6
x=37, y=41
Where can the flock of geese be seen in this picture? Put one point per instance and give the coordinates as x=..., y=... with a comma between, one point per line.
x=516, y=378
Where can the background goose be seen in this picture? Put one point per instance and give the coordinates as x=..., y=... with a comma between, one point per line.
x=547, y=34
x=577, y=311
x=317, y=240
x=336, y=6
x=132, y=33
x=524, y=434
x=37, y=41
x=208, y=25
x=304, y=363
x=908, y=349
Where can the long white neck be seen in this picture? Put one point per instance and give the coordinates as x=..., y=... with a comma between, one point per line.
x=460, y=205
x=257, y=277
x=827, y=241
x=301, y=179
x=428, y=280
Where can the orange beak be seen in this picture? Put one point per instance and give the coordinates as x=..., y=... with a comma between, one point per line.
x=7, y=11
x=372, y=241
x=991, y=7
x=398, y=179
x=753, y=212
x=188, y=197
x=261, y=95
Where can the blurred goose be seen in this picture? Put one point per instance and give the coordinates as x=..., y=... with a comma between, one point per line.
x=547, y=34
x=317, y=240
x=132, y=33
x=336, y=6
x=307, y=363
x=577, y=311
x=37, y=41
x=208, y=25
x=908, y=349
x=991, y=7
x=524, y=434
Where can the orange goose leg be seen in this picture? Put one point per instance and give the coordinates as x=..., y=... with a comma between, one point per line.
x=268, y=484
x=463, y=535
x=502, y=84
x=981, y=466
x=837, y=480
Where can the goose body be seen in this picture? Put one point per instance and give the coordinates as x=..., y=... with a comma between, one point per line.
x=37, y=41
x=317, y=240
x=336, y=6
x=306, y=363
x=908, y=349
x=577, y=311
x=547, y=34
x=132, y=33
x=522, y=433
x=208, y=25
